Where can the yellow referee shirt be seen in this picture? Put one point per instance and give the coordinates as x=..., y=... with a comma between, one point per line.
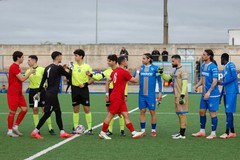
x=79, y=74
x=35, y=78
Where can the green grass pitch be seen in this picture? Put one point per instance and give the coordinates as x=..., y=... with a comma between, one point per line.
x=91, y=147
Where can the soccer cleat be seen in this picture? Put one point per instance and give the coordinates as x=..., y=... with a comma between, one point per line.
x=36, y=135
x=109, y=133
x=179, y=136
x=73, y=131
x=232, y=135
x=122, y=133
x=66, y=135
x=52, y=132
x=174, y=135
x=90, y=132
x=103, y=135
x=199, y=134
x=12, y=135
x=16, y=131
x=154, y=134
x=224, y=136
x=211, y=136
x=137, y=135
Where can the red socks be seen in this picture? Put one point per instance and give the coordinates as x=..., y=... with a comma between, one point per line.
x=20, y=117
x=130, y=127
x=10, y=120
x=105, y=127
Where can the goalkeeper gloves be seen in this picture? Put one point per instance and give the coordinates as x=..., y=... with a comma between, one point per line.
x=160, y=70
x=36, y=97
x=181, y=99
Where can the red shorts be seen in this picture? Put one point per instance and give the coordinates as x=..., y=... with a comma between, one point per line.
x=117, y=107
x=15, y=101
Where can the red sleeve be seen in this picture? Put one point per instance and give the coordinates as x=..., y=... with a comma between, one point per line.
x=128, y=76
x=111, y=76
x=15, y=70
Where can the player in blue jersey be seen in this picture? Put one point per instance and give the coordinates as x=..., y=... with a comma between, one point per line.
x=210, y=94
x=147, y=96
x=229, y=93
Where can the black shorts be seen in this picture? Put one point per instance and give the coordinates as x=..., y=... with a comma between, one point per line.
x=52, y=103
x=80, y=96
x=32, y=93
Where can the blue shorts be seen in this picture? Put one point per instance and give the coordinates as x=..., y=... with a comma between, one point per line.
x=212, y=104
x=230, y=101
x=147, y=102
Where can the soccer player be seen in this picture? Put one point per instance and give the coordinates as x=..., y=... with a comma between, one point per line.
x=35, y=80
x=15, y=97
x=52, y=74
x=80, y=91
x=147, y=96
x=119, y=77
x=112, y=63
x=229, y=91
x=210, y=94
x=180, y=80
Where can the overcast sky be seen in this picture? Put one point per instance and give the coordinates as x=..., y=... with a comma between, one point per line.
x=119, y=21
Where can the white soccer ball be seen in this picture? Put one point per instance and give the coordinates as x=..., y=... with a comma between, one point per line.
x=80, y=129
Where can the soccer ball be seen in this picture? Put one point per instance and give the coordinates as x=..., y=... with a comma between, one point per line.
x=80, y=129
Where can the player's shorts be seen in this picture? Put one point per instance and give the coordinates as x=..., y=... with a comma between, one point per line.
x=117, y=107
x=52, y=103
x=147, y=102
x=80, y=96
x=230, y=101
x=212, y=104
x=15, y=101
x=181, y=109
x=32, y=93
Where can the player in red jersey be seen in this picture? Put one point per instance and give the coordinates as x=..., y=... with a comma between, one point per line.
x=14, y=95
x=119, y=76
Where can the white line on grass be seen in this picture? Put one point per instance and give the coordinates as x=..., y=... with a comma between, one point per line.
x=69, y=139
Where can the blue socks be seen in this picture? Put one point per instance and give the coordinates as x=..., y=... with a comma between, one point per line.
x=203, y=120
x=214, y=123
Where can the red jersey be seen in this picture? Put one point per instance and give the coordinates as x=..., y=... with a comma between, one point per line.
x=14, y=84
x=119, y=76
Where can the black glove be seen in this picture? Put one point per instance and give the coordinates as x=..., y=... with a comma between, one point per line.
x=160, y=70
x=181, y=99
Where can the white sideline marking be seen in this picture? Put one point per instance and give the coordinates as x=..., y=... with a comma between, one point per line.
x=69, y=139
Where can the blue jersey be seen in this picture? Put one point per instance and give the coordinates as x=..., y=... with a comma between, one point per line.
x=230, y=80
x=208, y=73
x=147, y=80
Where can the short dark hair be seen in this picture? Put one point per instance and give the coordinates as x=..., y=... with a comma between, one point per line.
x=79, y=52
x=16, y=55
x=121, y=59
x=210, y=53
x=55, y=54
x=225, y=56
x=113, y=57
x=33, y=57
x=176, y=56
x=149, y=56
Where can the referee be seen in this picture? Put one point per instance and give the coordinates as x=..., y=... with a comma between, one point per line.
x=80, y=91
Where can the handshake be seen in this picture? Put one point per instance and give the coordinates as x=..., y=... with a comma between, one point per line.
x=160, y=70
